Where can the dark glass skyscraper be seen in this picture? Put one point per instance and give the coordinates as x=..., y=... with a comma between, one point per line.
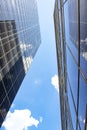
x=19, y=40
x=70, y=20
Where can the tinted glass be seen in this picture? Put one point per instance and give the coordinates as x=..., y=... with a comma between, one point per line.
x=83, y=36
x=72, y=71
x=82, y=102
x=71, y=26
x=71, y=104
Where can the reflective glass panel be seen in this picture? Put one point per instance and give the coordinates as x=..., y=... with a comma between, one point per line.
x=72, y=71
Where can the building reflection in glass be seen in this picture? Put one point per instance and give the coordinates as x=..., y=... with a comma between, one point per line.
x=19, y=41
x=70, y=21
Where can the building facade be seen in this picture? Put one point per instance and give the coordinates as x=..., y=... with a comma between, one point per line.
x=70, y=21
x=19, y=41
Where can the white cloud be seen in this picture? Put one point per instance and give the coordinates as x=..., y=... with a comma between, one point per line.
x=84, y=41
x=55, y=82
x=82, y=120
x=84, y=54
x=20, y=120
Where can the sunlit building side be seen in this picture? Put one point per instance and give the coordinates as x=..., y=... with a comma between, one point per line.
x=70, y=22
x=19, y=41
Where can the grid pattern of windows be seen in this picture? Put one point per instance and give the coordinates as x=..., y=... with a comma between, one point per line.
x=9, y=45
x=19, y=40
x=70, y=22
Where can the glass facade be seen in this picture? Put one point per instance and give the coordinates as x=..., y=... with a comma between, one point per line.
x=19, y=41
x=70, y=21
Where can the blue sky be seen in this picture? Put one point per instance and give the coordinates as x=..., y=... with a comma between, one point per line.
x=36, y=106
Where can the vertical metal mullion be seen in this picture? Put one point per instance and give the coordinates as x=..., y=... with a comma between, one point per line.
x=63, y=63
x=78, y=63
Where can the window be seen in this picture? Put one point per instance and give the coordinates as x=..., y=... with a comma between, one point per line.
x=2, y=62
x=1, y=51
x=86, y=119
x=7, y=82
x=2, y=92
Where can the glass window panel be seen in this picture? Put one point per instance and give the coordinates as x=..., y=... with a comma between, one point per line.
x=7, y=82
x=13, y=73
x=2, y=26
x=4, y=39
x=9, y=56
x=16, y=86
x=8, y=25
x=4, y=107
x=5, y=70
x=82, y=102
x=11, y=36
x=6, y=47
x=17, y=67
x=71, y=104
x=72, y=71
x=1, y=51
x=2, y=92
x=14, y=52
x=21, y=76
x=19, y=80
x=3, y=35
x=12, y=44
x=2, y=62
x=86, y=118
x=11, y=95
x=83, y=65
x=83, y=36
x=1, y=119
x=71, y=25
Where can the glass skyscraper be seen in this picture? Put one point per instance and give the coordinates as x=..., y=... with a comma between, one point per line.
x=19, y=41
x=70, y=21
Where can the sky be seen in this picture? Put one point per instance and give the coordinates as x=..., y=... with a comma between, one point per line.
x=36, y=106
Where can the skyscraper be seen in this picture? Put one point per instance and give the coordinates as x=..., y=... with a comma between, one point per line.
x=19, y=41
x=70, y=21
